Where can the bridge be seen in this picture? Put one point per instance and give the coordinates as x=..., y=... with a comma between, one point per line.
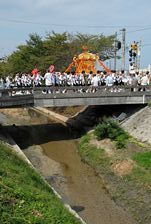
x=73, y=96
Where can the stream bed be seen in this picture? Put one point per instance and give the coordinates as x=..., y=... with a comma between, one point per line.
x=53, y=151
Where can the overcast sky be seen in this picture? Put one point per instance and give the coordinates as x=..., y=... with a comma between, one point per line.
x=20, y=18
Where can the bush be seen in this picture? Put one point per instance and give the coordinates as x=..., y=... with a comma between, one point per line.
x=111, y=129
x=121, y=141
x=101, y=131
x=149, y=103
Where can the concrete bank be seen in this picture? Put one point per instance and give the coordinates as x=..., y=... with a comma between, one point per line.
x=51, y=114
x=139, y=125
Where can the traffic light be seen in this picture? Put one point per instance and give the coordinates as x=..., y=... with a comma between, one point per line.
x=131, y=64
x=119, y=45
x=130, y=53
x=134, y=46
x=133, y=53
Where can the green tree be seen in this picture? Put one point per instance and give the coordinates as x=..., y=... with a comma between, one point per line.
x=100, y=44
x=55, y=48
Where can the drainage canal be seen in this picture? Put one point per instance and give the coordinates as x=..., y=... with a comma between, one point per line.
x=52, y=150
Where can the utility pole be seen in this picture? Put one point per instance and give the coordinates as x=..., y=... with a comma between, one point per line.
x=123, y=47
x=110, y=64
x=115, y=50
x=139, y=54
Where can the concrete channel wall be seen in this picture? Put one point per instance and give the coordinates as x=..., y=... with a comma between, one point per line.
x=50, y=114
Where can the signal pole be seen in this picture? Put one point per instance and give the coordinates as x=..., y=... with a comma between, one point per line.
x=123, y=47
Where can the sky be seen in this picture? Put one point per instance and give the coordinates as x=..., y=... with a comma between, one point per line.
x=20, y=18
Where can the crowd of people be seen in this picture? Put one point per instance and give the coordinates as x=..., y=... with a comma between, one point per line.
x=49, y=79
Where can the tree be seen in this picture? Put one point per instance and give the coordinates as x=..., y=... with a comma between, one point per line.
x=57, y=49
x=100, y=44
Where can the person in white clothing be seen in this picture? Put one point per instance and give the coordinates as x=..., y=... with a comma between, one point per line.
x=144, y=81
x=48, y=81
x=95, y=83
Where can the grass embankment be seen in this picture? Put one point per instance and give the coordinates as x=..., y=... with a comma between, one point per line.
x=124, y=165
x=25, y=197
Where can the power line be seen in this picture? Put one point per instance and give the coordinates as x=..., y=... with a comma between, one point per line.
x=76, y=25
x=133, y=31
x=142, y=28
x=145, y=45
x=69, y=25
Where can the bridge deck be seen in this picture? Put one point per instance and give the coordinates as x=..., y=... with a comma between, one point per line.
x=73, y=96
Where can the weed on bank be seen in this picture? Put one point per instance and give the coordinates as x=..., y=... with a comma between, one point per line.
x=25, y=197
x=125, y=167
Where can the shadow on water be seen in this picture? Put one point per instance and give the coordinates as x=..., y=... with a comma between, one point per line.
x=37, y=134
x=52, y=150
x=26, y=135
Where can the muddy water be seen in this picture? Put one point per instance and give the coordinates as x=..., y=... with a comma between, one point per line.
x=53, y=151
x=59, y=162
x=80, y=187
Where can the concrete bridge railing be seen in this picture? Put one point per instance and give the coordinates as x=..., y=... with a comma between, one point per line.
x=73, y=96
